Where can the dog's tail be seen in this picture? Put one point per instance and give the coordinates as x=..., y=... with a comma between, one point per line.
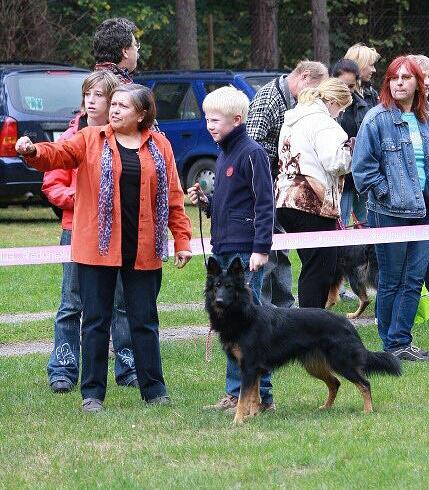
x=382, y=362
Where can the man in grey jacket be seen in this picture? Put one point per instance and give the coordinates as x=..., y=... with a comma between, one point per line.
x=264, y=122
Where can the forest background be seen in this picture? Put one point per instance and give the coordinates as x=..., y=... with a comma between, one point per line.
x=246, y=34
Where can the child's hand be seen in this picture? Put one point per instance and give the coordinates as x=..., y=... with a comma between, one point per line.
x=196, y=196
x=257, y=260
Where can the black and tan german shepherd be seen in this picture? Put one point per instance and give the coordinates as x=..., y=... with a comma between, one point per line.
x=264, y=338
x=357, y=264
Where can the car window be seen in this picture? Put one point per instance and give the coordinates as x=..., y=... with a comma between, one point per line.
x=50, y=93
x=257, y=82
x=175, y=101
x=210, y=86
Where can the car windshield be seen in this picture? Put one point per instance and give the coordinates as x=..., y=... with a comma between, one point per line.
x=48, y=93
x=257, y=82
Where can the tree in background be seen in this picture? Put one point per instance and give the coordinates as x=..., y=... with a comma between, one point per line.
x=320, y=25
x=264, y=33
x=64, y=31
x=26, y=31
x=186, y=35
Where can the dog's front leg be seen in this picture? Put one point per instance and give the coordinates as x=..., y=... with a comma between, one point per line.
x=249, y=401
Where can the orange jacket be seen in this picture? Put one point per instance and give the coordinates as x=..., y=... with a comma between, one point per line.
x=59, y=185
x=84, y=151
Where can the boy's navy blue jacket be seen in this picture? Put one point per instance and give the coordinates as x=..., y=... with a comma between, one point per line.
x=242, y=206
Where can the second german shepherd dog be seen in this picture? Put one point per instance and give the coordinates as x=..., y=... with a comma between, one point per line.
x=264, y=338
x=358, y=264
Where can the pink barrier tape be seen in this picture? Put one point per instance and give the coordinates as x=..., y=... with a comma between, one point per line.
x=58, y=254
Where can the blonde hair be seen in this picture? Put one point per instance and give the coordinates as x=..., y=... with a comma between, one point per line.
x=315, y=68
x=331, y=89
x=363, y=55
x=228, y=101
x=108, y=79
x=422, y=61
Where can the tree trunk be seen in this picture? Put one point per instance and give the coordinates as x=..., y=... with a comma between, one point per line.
x=186, y=32
x=25, y=32
x=320, y=23
x=264, y=33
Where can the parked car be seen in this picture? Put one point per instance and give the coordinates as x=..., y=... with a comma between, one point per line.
x=36, y=100
x=179, y=96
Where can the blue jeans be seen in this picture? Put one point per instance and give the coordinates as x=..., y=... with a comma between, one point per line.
x=277, y=277
x=352, y=201
x=233, y=375
x=141, y=288
x=402, y=268
x=63, y=364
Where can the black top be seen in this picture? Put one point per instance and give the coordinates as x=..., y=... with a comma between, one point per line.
x=350, y=121
x=129, y=185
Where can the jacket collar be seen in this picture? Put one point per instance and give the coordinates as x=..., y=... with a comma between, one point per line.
x=107, y=130
x=358, y=101
x=122, y=73
x=231, y=138
x=396, y=114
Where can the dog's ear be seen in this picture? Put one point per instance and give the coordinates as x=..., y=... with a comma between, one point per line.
x=236, y=268
x=213, y=267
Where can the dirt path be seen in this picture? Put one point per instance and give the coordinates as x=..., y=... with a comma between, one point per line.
x=178, y=333
x=44, y=315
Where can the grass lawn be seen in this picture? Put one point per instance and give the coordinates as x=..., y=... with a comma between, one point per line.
x=46, y=441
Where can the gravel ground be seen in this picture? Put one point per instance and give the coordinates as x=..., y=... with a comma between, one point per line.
x=30, y=317
x=178, y=333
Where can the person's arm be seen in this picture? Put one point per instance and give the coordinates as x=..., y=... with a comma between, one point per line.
x=333, y=152
x=178, y=221
x=259, y=176
x=57, y=187
x=261, y=119
x=49, y=156
x=366, y=160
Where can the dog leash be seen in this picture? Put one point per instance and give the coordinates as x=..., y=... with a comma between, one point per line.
x=200, y=218
x=209, y=336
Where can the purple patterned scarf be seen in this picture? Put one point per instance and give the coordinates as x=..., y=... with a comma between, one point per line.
x=105, y=202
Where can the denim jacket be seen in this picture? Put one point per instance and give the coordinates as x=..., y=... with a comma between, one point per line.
x=384, y=165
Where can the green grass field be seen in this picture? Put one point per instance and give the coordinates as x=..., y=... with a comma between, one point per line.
x=47, y=442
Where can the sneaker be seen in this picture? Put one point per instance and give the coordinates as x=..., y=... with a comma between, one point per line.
x=347, y=295
x=159, y=400
x=225, y=403
x=411, y=353
x=268, y=407
x=92, y=405
x=61, y=386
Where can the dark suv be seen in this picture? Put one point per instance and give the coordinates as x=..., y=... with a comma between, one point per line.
x=36, y=100
x=179, y=96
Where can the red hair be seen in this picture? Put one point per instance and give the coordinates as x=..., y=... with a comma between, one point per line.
x=419, y=105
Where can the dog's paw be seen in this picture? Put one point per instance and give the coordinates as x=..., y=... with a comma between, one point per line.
x=238, y=420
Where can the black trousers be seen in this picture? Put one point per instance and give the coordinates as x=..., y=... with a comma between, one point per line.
x=318, y=264
x=97, y=289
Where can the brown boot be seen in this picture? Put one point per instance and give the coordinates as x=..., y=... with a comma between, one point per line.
x=225, y=403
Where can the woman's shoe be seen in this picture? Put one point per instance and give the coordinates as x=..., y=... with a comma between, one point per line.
x=92, y=405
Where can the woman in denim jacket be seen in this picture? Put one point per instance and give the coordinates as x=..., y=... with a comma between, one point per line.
x=391, y=163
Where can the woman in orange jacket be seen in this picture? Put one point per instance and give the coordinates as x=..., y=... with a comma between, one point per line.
x=128, y=192
x=59, y=187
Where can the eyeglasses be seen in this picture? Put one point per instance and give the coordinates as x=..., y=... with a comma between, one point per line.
x=407, y=77
x=137, y=45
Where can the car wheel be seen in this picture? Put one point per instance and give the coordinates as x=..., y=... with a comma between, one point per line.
x=203, y=172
